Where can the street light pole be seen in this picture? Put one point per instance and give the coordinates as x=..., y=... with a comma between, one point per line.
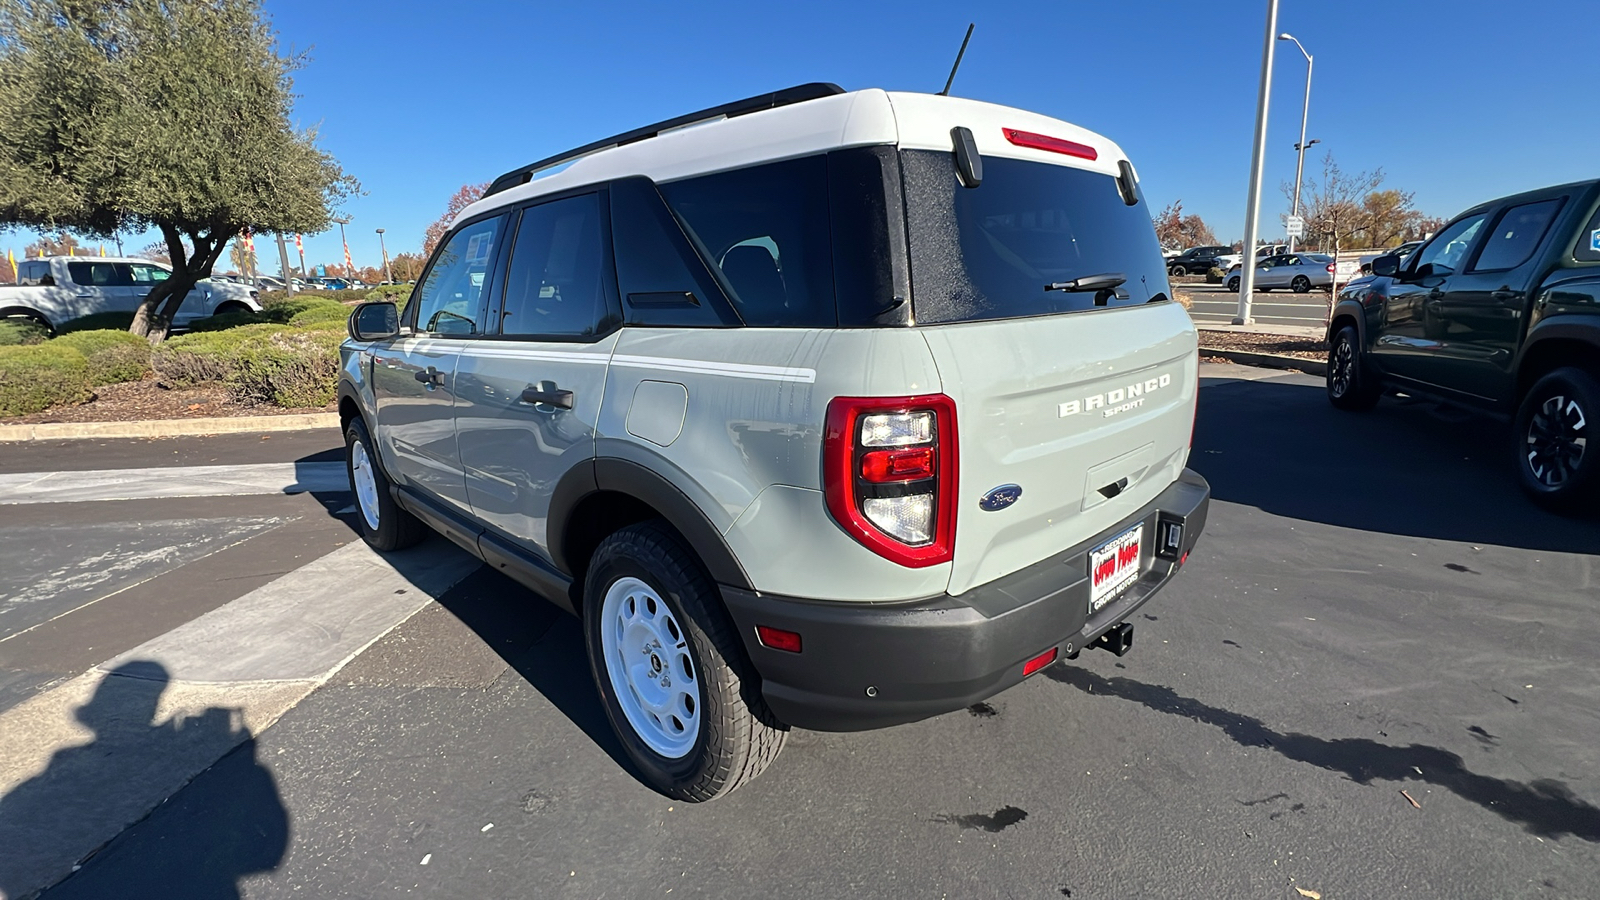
x=343, y=242
x=1247, y=274
x=386, y=273
x=1299, y=166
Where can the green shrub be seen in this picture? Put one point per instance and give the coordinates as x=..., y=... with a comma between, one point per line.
x=202, y=356
x=226, y=320
x=399, y=294
x=38, y=377
x=260, y=363
x=321, y=316
x=291, y=368
x=101, y=321
x=114, y=356
x=1215, y=275
x=20, y=332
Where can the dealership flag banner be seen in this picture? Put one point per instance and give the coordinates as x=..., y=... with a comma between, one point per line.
x=349, y=267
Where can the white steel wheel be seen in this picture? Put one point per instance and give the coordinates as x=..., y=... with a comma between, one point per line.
x=365, y=484
x=651, y=667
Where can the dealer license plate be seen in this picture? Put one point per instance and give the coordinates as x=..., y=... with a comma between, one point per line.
x=1113, y=566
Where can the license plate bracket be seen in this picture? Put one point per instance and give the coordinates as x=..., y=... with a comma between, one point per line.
x=1113, y=566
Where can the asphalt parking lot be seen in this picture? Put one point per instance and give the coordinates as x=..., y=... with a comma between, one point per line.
x=1214, y=304
x=1375, y=678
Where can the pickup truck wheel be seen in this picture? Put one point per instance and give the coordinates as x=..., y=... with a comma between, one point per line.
x=1350, y=386
x=1177, y=270
x=232, y=306
x=1555, y=464
x=384, y=525
x=1301, y=284
x=671, y=671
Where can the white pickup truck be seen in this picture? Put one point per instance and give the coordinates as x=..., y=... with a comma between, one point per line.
x=57, y=289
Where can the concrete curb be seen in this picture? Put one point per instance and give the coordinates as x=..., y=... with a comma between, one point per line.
x=164, y=428
x=1269, y=360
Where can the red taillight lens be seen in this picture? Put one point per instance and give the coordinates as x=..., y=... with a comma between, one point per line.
x=1330, y=267
x=889, y=475
x=881, y=466
x=778, y=639
x=1038, y=662
x=1052, y=144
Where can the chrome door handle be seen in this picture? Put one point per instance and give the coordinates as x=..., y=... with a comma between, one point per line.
x=554, y=397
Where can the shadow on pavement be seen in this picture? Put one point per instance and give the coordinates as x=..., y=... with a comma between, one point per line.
x=1546, y=807
x=1407, y=467
x=94, y=789
x=542, y=644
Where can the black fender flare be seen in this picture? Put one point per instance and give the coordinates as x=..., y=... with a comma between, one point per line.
x=1356, y=311
x=1580, y=327
x=632, y=479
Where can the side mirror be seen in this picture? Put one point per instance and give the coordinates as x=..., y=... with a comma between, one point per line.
x=375, y=321
x=1387, y=265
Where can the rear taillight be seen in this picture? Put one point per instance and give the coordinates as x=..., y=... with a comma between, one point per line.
x=1330, y=267
x=889, y=475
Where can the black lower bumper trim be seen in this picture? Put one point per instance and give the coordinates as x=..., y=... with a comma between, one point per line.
x=871, y=666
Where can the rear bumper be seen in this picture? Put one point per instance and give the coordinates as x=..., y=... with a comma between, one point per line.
x=869, y=666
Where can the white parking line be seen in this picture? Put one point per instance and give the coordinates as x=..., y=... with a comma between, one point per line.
x=172, y=481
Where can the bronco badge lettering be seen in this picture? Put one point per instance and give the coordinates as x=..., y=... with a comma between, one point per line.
x=1120, y=400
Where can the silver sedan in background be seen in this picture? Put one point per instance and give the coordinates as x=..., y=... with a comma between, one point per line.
x=1299, y=272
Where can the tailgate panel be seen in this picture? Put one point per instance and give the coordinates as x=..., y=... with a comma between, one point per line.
x=1090, y=413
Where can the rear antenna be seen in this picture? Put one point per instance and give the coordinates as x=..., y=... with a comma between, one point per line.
x=962, y=52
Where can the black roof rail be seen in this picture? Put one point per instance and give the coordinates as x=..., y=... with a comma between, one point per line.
x=773, y=100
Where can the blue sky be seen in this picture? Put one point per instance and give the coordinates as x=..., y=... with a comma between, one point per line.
x=1457, y=101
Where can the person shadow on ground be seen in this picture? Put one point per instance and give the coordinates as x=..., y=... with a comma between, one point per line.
x=196, y=844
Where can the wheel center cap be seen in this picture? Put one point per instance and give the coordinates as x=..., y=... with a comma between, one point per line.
x=655, y=664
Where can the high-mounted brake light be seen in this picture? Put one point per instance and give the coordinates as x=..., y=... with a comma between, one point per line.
x=889, y=475
x=1052, y=144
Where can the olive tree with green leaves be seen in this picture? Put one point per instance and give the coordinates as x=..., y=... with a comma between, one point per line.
x=174, y=115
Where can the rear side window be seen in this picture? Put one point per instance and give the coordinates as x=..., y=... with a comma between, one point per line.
x=1588, y=249
x=32, y=273
x=766, y=228
x=450, y=297
x=1516, y=235
x=556, y=284
x=988, y=252
x=99, y=274
x=143, y=273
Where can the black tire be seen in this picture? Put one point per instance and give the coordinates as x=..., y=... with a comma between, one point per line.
x=232, y=306
x=1300, y=284
x=738, y=736
x=396, y=529
x=1177, y=271
x=1554, y=425
x=1233, y=284
x=1350, y=384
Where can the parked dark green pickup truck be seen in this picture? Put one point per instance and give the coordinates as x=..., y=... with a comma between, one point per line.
x=1499, y=311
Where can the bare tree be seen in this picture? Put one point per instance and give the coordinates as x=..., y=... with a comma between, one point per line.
x=1333, y=205
x=1176, y=230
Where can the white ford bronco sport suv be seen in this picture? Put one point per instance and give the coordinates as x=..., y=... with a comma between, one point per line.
x=821, y=409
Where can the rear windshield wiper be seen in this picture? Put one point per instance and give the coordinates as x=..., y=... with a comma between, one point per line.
x=1106, y=281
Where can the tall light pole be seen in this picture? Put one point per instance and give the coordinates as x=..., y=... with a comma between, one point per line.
x=343, y=242
x=386, y=273
x=1299, y=167
x=1247, y=274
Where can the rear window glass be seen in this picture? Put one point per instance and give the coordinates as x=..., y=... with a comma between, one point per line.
x=1516, y=235
x=766, y=228
x=988, y=252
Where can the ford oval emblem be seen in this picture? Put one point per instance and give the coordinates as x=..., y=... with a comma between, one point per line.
x=1000, y=497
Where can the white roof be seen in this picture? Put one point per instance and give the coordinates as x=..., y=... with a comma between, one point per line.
x=856, y=119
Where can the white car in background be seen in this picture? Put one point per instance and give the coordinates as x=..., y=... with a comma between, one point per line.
x=1299, y=272
x=58, y=289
